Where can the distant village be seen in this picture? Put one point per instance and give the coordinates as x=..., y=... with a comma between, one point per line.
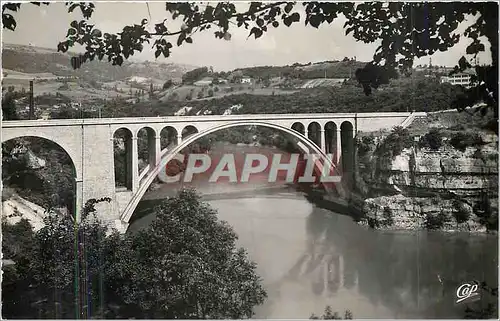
x=200, y=83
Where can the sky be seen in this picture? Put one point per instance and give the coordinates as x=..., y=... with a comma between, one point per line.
x=46, y=26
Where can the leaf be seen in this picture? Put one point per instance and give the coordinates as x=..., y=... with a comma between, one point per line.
x=71, y=32
x=62, y=46
x=181, y=38
x=157, y=53
x=189, y=40
x=119, y=60
x=96, y=33
x=74, y=24
x=295, y=17
x=315, y=21
x=291, y=19
x=289, y=7
x=474, y=48
x=8, y=21
x=463, y=63
x=256, y=32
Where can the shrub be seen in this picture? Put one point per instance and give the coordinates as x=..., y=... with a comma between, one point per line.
x=461, y=212
x=200, y=94
x=210, y=92
x=394, y=144
x=388, y=217
x=487, y=215
x=330, y=315
x=435, y=222
x=168, y=84
x=461, y=140
x=433, y=139
x=365, y=145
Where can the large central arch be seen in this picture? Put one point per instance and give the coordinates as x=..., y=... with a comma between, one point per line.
x=166, y=156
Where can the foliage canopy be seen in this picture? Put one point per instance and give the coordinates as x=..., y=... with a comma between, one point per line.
x=184, y=265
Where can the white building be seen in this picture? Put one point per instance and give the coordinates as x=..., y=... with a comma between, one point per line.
x=230, y=110
x=246, y=80
x=463, y=78
x=203, y=82
x=183, y=111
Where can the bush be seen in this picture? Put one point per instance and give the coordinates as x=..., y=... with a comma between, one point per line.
x=435, y=222
x=461, y=140
x=487, y=215
x=211, y=92
x=394, y=144
x=433, y=139
x=461, y=214
x=330, y=315
x=365, y=145
x=388, y=217
x=168, y=84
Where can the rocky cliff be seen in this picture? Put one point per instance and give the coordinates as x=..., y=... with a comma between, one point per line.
x=439, y=187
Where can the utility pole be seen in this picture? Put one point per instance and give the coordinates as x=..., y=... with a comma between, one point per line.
x=32, y=107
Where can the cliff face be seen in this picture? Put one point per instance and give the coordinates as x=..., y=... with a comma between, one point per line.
x=445, y=188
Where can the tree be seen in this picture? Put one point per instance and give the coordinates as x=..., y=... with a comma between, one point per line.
x=194, y=75
x=42, y=283
x=189, y=264
x=185, y=265
x=9, y=107
x=328, y=314
x=405, y=30
x=168, y=84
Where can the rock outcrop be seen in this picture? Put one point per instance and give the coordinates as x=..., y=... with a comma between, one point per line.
x=445, y=188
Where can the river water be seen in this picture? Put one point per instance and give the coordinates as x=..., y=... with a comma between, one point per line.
x=310, y=257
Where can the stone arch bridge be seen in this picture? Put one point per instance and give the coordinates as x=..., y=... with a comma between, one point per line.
x=89, y=144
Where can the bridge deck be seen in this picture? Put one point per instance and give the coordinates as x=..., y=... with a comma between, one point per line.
x=208, y=118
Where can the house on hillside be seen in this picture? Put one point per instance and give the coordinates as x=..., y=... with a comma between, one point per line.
x=230, y=110
x=45, y=115
x=218, y=81
x=464, y=78
x=246, y=80
x=183, y=111
x=204, y=82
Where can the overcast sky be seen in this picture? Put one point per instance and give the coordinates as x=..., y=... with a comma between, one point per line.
x=45, y=26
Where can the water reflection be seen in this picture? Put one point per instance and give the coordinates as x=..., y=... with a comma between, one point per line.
x=311, y=257
x=373, y=273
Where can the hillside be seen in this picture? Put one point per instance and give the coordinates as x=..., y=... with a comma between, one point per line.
x=28, y=59
x=325, y=69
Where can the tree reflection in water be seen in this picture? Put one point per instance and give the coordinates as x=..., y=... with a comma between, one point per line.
x=399, y=270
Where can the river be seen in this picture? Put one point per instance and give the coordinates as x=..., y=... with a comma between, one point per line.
x=310, y=257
